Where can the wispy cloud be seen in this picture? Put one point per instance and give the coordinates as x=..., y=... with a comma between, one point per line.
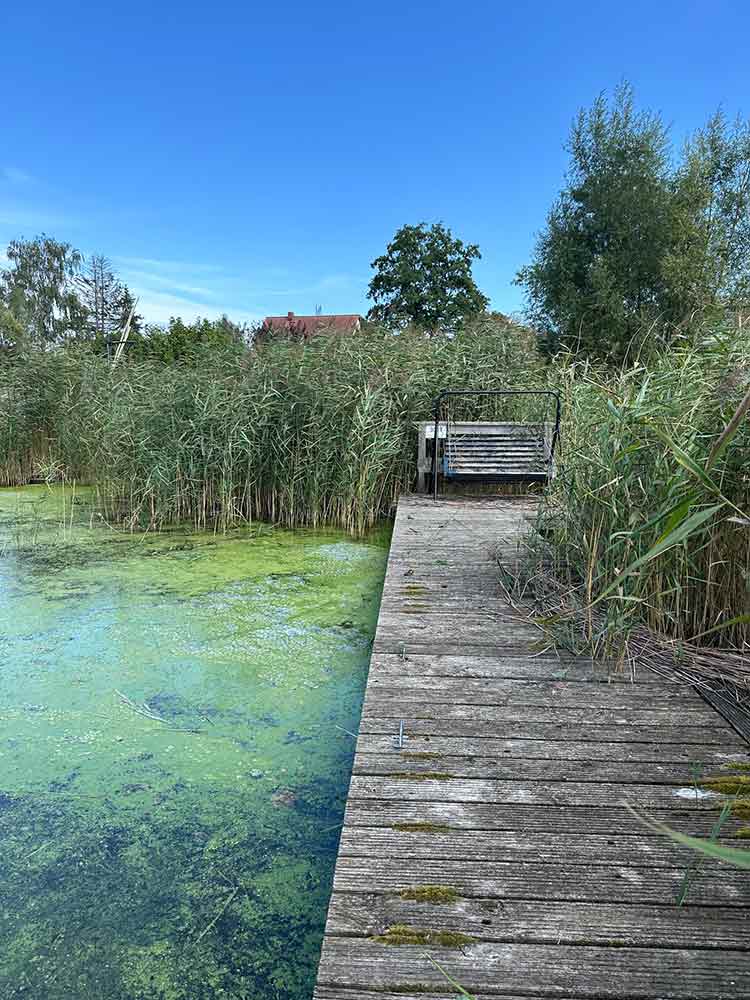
x=159, y=266
x=133, y=277
x=14, y=175
x=159, y=307
x=24, y=220
x=329, y=283
x=167, y=287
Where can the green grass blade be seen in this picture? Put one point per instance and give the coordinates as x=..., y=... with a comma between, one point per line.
x=461, y=991
x=732, y=855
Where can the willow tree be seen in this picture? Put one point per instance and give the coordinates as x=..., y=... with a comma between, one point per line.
x=597, y=276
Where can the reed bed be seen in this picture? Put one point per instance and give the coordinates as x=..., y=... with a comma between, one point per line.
x=316, y=434
x=646, y=525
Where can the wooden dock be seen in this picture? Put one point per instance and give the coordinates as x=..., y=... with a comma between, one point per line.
x=492, y=842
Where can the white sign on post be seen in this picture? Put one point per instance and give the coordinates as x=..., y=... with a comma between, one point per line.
x=442, y=431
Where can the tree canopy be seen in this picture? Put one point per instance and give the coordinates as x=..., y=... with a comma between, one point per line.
x=38, y=289
x=635, y=242
x=425, y=278
x=179, y=341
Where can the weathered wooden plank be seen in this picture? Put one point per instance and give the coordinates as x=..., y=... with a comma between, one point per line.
x=501, y=712
x=364, y=914
x=532, y=669
x=578, y=848
x=507, y=644
x=456, y=625
x=427, y=646
x=715, y=735
x=505, y=768
x=362, y=993
x=535, y=880
x=491, y=663
x=550, y=793
x=553, y=693
x=607, y=820
x=695, y=757
x=548, y=970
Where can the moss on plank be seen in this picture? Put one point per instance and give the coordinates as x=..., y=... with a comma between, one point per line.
x=403, y=934
x=438, y=894
x=408, y=988
x=732, y=784
x=741, y=808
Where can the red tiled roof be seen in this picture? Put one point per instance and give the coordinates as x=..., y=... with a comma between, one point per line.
x=306, y=325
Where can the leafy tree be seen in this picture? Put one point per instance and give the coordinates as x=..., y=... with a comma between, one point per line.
x=635, y=244
x=425, y=278
x=709, y=266
x=11, y=330
x=596, y=274
x=39, y=289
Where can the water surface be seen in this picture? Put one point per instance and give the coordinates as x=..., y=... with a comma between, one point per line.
x=173, y=754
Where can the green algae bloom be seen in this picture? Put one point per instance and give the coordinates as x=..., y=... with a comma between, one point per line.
x=173, y=761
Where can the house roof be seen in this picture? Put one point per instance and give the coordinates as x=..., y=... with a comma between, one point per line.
x=305, y=325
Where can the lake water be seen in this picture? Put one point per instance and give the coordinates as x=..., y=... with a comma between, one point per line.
x=173, y=754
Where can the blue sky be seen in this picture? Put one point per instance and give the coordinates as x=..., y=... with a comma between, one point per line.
x=253, y=158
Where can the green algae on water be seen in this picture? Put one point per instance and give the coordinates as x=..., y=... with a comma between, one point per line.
x=177, y=843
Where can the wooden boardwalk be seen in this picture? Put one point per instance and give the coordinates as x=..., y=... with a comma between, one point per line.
x=505, y=794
